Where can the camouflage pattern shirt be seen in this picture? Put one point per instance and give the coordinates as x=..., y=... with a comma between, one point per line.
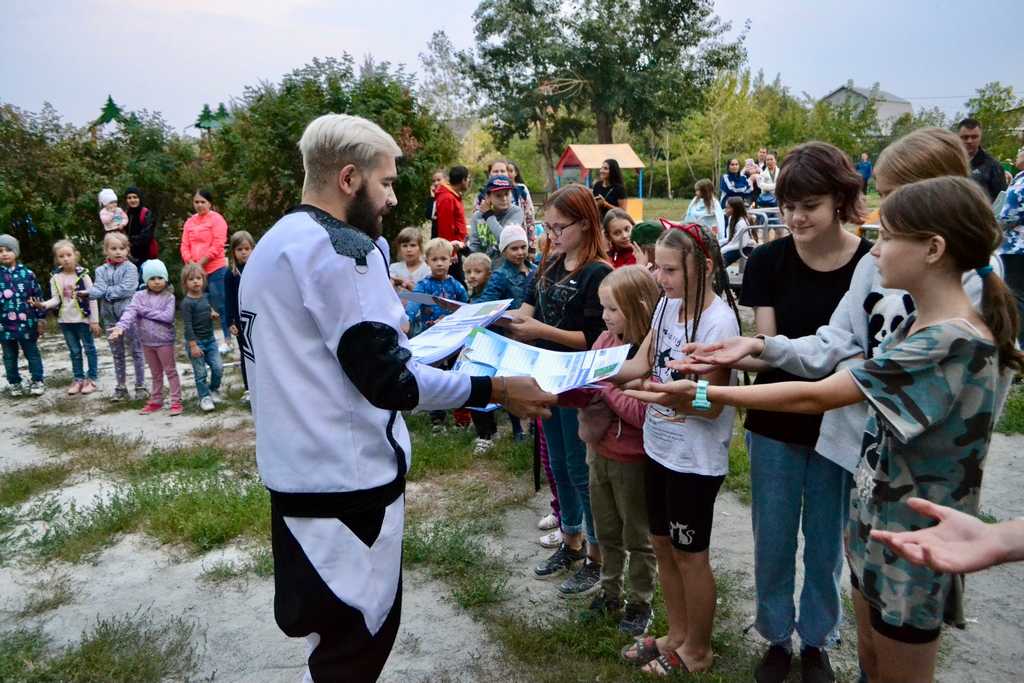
x=933, y=398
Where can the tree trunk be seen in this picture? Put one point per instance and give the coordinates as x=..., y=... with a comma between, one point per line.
x=544, y=141
x=604, y=123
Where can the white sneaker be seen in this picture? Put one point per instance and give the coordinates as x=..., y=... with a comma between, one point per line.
x=548, y=522
x=552, y=540
x=15, y=390
x=482, y=446
x=217, y=398
x=245, y=397
x=206, y=403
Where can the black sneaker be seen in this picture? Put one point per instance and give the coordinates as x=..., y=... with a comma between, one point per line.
x=601, y=607
x=815, y=667
x=561, y=561
x=636, y=620
x=774, y=666
x=584, y=580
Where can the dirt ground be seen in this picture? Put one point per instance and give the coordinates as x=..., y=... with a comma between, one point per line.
x=438, y=640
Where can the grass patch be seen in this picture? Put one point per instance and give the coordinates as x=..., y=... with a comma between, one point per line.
x=1012, y=421
x=199, y=510
x=17, y=486
x=207, y=430
x=47, y=595
x=738, y=478
x=93, y=446
x=260, y=563
x=438, y=453
x=593, y=645
x=160, y=462
x=58, y=380
x=133, y=648
x=454, y=552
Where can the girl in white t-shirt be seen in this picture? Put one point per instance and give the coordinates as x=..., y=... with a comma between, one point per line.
x=409, y=268
x=687, y=451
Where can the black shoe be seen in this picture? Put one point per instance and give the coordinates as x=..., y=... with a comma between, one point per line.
x=774, y=666
x=584, y=580
x=637, y=620
x=815, y=667
x=561, y=561
x=605, y=604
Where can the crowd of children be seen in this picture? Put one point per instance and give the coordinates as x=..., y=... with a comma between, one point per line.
x=137, y=319
x=918, y=326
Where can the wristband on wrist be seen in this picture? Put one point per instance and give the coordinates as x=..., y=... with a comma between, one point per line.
x=700, y=401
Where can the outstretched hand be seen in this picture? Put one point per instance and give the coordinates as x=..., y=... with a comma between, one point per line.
x=724, y=353
x=959, y=543
x=677, y=395
x=522, y=396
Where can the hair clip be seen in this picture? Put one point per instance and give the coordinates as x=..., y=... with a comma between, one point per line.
x=691, y=229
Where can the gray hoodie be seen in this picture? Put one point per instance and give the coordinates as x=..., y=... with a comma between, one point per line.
x=865, y=316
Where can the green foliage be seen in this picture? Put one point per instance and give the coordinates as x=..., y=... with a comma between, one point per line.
x=1000, y=111
x=254, y=164
x=1012, y=421
x=17, y=486
x=51, y=173
x=134, y=648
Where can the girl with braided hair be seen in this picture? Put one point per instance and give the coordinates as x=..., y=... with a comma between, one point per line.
x=687, y=451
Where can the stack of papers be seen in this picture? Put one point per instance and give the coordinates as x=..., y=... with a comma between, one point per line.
x=489, y=354
x=449, y=334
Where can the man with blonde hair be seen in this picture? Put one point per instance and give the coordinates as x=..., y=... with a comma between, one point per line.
x=329, y=373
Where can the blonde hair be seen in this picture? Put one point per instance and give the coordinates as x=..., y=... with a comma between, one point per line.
x=60, y=244
x=477, y=258
x=410, y=234
x=114, y=236
x=636, y=294
x=922, y=154
x=187, y=271
x=333, y=141
x=438, y=244
x=238, y=238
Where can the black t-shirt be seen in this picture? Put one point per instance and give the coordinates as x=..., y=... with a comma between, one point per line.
x=804, y=300
x=613, y=194
x=569, y=303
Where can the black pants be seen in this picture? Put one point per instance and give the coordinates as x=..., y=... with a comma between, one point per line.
x=484, y=423
x=1013, y=266
x=304, y=604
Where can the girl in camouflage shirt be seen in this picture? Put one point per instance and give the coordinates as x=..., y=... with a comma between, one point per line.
x=934, y=388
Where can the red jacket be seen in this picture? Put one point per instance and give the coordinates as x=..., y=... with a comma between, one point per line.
x=451, y=215
x=624, y=440
x=622, y=257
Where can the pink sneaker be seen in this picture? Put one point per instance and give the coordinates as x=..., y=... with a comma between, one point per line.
x=88, y=386
x=151, y=408
x=75, y=387
x=176, y=409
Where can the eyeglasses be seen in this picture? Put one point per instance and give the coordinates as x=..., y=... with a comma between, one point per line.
x=557, y=230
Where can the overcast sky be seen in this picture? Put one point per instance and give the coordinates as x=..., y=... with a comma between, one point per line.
x=173, y=55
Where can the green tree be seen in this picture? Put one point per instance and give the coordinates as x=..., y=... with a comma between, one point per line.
x=206, y=119
x=999, y=110
x=641, y=61
x=729, y=124
x=111, y=113
x=785, y=113
x=445, y=87
x=254, y=165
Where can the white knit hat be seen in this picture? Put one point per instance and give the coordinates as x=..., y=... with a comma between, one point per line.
x=512, y=233
x=106, y=196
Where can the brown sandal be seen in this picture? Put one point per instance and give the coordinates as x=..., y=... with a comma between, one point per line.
x=641, y=651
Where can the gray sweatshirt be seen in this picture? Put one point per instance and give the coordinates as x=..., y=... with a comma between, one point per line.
x=485, y=232
x=865, y=316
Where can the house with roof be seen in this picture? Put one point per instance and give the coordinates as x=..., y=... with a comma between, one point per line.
x=889, y=107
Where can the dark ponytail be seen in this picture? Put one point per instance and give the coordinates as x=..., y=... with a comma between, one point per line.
x=955, y=209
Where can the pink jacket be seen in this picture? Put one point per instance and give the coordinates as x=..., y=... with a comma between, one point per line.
x=624, y=440
x=153, y=317
x=114, y=220
x=204, y=236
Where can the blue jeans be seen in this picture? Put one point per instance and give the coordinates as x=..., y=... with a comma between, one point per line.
x=791, y=486
x=211, y=358
x=78, y=336
x=568, y=456
x=31, y=350
x=215, y=286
